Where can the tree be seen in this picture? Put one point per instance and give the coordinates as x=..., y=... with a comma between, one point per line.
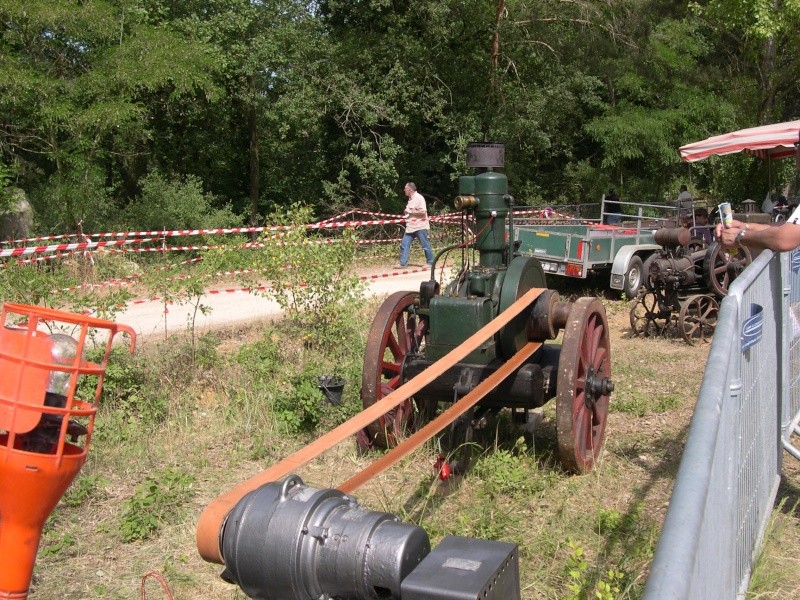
x=79, y=83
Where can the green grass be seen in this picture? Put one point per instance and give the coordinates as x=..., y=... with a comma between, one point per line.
x=181, y=427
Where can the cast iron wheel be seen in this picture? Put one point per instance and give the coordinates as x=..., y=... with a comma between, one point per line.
x=721, y=267
x=648, y=319
x=584, y=384
x=395, y=332
x=698, y=318
x=634, y=277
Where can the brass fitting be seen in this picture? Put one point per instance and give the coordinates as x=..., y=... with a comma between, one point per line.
x=462, y=202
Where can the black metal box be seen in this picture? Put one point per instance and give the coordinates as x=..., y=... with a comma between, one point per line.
x=462, y=568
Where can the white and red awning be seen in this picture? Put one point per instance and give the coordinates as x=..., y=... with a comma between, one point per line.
x=774, y=141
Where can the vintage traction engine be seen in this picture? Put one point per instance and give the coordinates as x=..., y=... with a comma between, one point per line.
x=436, y=361
x=683, y=283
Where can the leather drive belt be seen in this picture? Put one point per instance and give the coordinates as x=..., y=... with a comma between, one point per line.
x=209, y=527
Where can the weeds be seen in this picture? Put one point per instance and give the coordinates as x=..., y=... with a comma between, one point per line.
x=299, y=408
x=57, y=545
x=576, y=568
x=775, y=568
x=156, y=500
x=82, y=489
x=312, y=281
x=579, y=579
x=504, y=472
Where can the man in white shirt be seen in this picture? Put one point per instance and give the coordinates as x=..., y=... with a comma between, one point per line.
x=417, y=225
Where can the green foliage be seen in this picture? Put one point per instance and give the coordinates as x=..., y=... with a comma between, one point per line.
x=300, y=408
x=576, y=568
x=56, y=547
x=493, y=523
x=6, y=198
x=82, y=490
x=579, y=577
x=176, y=204
x=32, y=284
x=263, y=359
x=58, y=286
x=609, y=587
x=129, y=400
x=157, y=500
x=313, y=282
x=128, y=111
x=774, y=571
x=504, y=473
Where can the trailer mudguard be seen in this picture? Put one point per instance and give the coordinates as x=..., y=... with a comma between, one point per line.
x=622, y=260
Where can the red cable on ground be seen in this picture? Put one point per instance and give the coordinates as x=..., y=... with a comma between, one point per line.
x=160, y=579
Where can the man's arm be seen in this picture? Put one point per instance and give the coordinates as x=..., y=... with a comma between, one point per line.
x=778, y=238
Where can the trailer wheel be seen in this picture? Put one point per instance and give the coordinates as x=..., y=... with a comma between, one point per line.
x=648, y=283
x=396, y=331
x=633, y=278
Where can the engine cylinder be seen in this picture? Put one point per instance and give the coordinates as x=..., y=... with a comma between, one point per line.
x=672, y=237
x=672, y=271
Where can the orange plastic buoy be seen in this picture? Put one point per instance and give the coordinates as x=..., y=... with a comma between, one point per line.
x=46, y=430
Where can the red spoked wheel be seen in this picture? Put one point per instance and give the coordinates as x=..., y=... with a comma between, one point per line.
x=395, y=333
x=584, y=385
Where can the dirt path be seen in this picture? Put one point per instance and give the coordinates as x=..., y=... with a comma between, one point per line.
x=226, y=306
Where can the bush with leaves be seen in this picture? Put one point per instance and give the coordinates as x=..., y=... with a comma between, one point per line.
x=58, y=286
x=176, y=204
x=300, y=408
x=313, y=279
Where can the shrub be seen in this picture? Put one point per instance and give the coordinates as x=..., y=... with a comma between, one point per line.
x=312, y=281
x=176, y=204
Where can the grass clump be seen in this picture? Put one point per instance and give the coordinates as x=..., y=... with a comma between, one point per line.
x=156, y=500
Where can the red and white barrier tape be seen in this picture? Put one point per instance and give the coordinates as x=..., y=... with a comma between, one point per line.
x=445, y=219
x=75, y=246
x=216, y=231
x=267, y=287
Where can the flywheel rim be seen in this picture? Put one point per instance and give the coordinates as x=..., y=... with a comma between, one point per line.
x=722, y=265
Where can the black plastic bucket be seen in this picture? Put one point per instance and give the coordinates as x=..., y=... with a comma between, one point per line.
x=332, y=387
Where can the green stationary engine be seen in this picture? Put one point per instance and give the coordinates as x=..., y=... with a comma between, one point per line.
x=411, y=331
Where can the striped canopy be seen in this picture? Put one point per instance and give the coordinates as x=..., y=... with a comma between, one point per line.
x=774, y=141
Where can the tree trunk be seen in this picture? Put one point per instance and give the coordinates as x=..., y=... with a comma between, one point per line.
x=495, y=55
x=252, y=128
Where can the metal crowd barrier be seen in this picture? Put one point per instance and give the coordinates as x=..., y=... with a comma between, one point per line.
x=746, y=413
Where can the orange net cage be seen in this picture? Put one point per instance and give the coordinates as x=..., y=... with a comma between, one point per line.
x=46, y=424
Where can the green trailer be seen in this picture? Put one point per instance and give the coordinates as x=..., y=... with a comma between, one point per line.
x=576, y=250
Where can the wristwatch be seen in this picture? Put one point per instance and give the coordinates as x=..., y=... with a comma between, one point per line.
x=740, y=236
